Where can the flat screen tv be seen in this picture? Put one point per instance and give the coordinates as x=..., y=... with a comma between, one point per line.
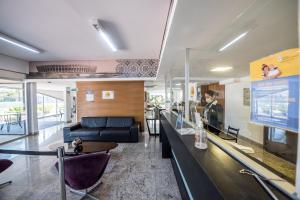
x=275, y=102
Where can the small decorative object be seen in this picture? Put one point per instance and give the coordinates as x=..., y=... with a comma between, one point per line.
x=89, y=96
x=77, y=144
x=200, y=137
x=108, y=94
x=179, y=120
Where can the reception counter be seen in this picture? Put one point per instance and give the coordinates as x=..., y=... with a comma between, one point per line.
x=208, y=174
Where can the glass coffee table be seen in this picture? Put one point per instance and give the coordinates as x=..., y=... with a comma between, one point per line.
x=88, y=147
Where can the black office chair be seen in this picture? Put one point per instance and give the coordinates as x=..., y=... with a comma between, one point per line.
x=232, y=134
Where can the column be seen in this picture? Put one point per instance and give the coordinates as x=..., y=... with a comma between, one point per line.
x=166, y=89
x=171, y=91
x=186, y=83
x=67, y=105
x=31, y=108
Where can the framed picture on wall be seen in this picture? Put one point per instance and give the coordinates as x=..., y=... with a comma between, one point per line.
x=108, y=94
x=246, y=96
x=89, y=95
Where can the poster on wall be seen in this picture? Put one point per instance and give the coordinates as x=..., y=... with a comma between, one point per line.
x=193, y=91
x=108, y=94
x=246, y=96
x=275, y=90
x=89, y=95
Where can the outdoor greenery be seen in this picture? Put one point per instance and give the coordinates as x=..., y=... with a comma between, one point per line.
x=156, y=100
x=10, y=94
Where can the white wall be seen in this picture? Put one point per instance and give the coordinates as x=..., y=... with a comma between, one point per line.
x=237, y=115
x=9, y=65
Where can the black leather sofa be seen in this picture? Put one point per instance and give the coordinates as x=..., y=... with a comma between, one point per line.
x=110, y=129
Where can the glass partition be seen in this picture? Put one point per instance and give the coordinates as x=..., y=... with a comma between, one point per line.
x=244, y=82
x=50, y=110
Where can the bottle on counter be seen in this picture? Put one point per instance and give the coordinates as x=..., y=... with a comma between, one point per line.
x=200, y=137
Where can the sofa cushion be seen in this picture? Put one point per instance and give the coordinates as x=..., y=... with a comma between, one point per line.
x=119, y=122
x=115, y=133
x=93, y=122
x=85, y=132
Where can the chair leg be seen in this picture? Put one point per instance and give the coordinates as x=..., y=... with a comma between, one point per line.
x=2, y=185
x=86, y=192
x=83, y=194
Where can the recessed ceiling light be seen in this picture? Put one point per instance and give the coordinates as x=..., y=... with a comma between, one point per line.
x=233, y=41
x=221, y=69
x=104, y=35
x=17, y=43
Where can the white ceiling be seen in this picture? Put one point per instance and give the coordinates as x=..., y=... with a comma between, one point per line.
x=206, y=25
x=62, y=28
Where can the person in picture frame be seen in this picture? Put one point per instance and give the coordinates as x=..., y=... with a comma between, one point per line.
x=210, y=113
x=270, y=71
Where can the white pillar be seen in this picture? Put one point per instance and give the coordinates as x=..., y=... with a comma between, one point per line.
x=186, y=83
x=67, y=105
x=166, y=89
x=31, y=108
x=171, y=91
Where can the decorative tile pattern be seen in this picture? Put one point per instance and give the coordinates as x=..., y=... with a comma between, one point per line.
x=137, y=67
x=121, y=68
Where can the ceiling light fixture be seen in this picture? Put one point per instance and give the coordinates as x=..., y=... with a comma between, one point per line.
x=17, y=43
x=178, y=84
x=221, y=69
x=104, y=35
x=233, y=41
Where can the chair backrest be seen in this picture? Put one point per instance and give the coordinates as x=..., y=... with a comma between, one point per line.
x=119, y=122
x=4, y=164
x=233, y=131
x=83, y=171
x=93, y=122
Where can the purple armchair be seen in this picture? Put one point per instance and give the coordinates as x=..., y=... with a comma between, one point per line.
x=4, y=164
x=84, y=171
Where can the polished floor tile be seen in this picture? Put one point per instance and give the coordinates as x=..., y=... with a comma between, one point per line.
x=135, y=171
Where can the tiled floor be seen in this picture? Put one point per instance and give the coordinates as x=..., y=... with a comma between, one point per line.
x=135, y=171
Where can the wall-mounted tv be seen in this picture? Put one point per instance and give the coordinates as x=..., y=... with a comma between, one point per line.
x=275, y=102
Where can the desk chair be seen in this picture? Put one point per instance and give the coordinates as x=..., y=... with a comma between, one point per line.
x=4, y=164
x=232, y=134
x=84, y=171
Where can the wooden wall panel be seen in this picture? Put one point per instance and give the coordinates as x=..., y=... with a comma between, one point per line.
x=128, y=99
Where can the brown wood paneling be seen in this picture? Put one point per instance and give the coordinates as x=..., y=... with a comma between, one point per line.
x=128, y=99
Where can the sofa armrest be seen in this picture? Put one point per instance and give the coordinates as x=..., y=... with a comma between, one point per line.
x=134, y=132
x=73, y=126
x=68, y=129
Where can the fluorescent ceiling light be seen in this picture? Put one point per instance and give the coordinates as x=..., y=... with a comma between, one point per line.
x=178, y=84
x=104, y=35
x=108, y=41
x=17, y=43
x=220, y=69
x=233, y=41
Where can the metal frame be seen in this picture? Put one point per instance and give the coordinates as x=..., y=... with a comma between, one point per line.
x=86, y=192
x=2, y=185
x=61, y=172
